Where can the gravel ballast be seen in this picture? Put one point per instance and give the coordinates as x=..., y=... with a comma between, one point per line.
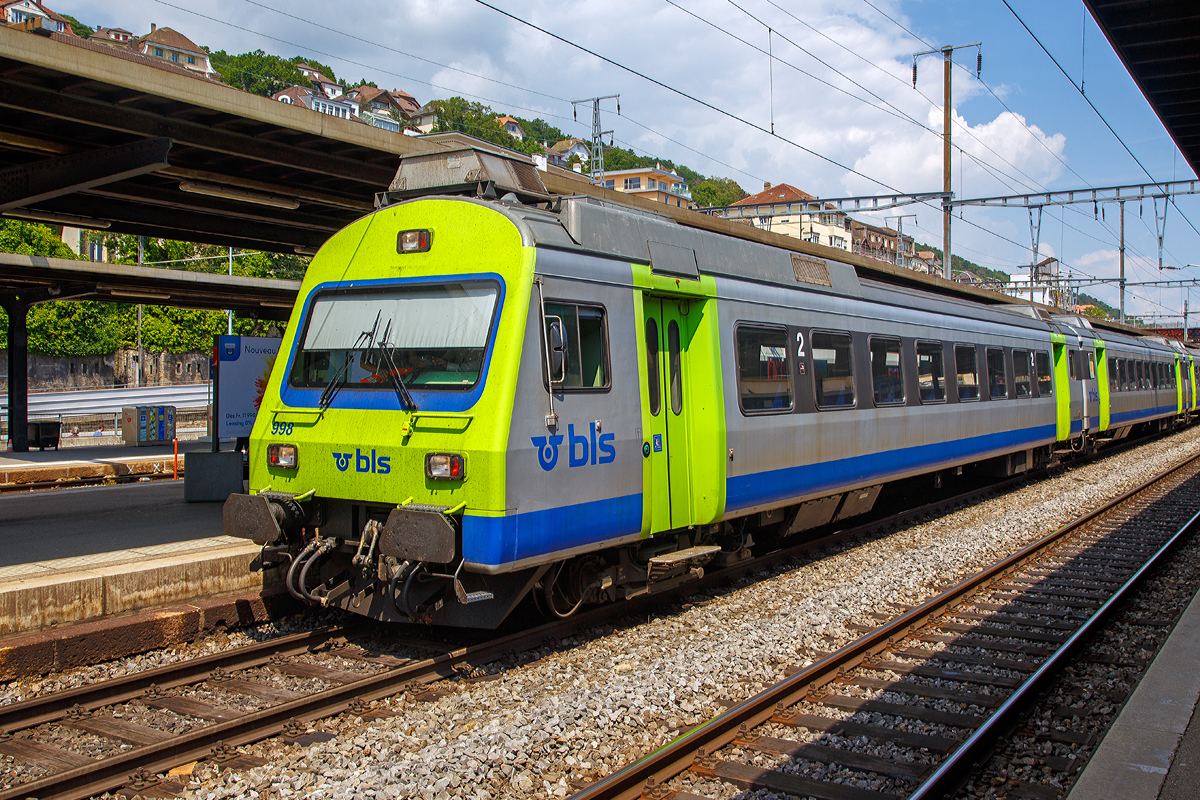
x=594, y=703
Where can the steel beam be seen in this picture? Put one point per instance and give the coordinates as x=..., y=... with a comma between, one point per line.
x=18, y=371
x=42, y=180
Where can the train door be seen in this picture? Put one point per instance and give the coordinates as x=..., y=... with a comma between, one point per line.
x=1064, y=388
x=666, y=444
x=1102, y=386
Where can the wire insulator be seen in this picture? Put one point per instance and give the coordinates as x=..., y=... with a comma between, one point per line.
x=914, y=73
x=979, y=63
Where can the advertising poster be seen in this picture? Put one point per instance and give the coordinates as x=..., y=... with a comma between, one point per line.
x=243, y=368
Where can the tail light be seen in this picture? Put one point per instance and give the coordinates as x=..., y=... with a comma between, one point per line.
x=445, y=467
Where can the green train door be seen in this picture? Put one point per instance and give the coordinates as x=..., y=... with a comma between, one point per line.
x=667, y=335
x=1102, y=383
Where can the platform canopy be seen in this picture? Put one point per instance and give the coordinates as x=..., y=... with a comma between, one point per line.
x=1159, y=43
x=95, y=136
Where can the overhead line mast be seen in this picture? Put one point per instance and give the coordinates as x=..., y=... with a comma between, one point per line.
x=948, y=56
x=596, y=160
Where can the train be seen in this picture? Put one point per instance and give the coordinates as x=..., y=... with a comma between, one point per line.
x=488, y=394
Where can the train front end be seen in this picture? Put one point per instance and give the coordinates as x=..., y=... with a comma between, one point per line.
x=385, y=423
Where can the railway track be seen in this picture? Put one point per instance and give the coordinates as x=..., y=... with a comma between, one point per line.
x=284, y=686
x=915, y=705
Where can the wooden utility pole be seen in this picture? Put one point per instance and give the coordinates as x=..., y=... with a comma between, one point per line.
x=947, y=117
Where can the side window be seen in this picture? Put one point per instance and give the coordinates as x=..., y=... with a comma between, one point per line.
x=1021, y=379
x=887, y=373
x=1141, y=376
x=997, y=376
x=764, y=380
x=965, y=363
x=1112, y=374
x=653, y=386
x=674, y=361
x=833, y=369
x=1071, y=365
x=587, y=344
x=1041, y=363
x=1091, y=365
x=931, y=372
x=1122, y=378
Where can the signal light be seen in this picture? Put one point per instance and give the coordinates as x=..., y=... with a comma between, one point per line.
x=444, y=467
x=281, y=456
x=414, y=241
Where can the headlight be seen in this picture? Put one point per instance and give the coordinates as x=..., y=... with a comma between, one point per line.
x=444, y=467
x=414, y=241
x=282, y=456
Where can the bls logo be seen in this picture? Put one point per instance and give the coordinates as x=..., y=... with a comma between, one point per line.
x=593, y=450
x=381, y=465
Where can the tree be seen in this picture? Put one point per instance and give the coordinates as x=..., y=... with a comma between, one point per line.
x=79, y=29
x=719, y=192
x=258, y=72
x=32, y=239
x=478, y=120
x=540, y=130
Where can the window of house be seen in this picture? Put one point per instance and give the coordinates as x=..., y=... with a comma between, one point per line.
x=651, y=183
x=764, y=377
x=931, y=374
x=586, y=337
x=833, y=369
x=191, y=59
x=837, y=241
x=175, y=57
x=609, y=184
x=967, y=366
x=633, y=183
x=997, y=375
x=1041, y=365
x=814, y=237
x=1022, y=382
x=158, y=52
x=887, y=374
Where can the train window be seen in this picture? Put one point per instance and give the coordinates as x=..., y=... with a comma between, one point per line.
x=1112, y=373
x=997, y=376
x=764, y=380
x=587, y=346
x=1122, y=383
x=1091, y=365
x=887, y=373
x=652, y=364
x=931, y=372
x=674, y=364
x=1071, y=366
x=1021, y=380
x=1041, y=363
x=1140, y=383
x=967, y=366
x=833, y=368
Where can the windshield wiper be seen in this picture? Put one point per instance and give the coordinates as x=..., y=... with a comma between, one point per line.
x=338, y=379
x=385, y=355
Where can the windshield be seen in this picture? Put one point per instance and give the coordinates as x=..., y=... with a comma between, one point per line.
x=436, y=336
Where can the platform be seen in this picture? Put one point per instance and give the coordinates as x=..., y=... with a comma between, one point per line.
x=1152, y=751
x=95, y=461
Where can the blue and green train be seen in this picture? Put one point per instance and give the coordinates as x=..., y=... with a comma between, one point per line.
x=485, y=398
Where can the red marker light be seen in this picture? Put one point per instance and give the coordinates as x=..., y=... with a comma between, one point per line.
x=416, y=241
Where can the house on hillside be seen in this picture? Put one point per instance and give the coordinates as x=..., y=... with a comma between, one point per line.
x=883, y=244
x=379, y=107
x=113, y=36
x=321, y=84
x=316, y=100
x=559, y=153
x=513, y=127
x=782, y=208
x=171, y=45
x=653, y=183
x=22, y=12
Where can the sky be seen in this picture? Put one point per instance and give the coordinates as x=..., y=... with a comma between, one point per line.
x=704, y=82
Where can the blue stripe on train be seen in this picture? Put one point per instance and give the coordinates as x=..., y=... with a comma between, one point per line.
x=1126, y=417
x=779, y=485
x=500, y=540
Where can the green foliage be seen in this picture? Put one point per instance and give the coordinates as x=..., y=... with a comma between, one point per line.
x=324, y=69
x=32, y=239
x=478, y=120
x=360, y=82
x=718, y=192
x=1102, y=311
x=91, y=328
x=80, y=30
x=540, y=130
x=258, y=72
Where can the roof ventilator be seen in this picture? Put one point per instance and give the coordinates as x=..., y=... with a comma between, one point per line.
x=465, y=171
